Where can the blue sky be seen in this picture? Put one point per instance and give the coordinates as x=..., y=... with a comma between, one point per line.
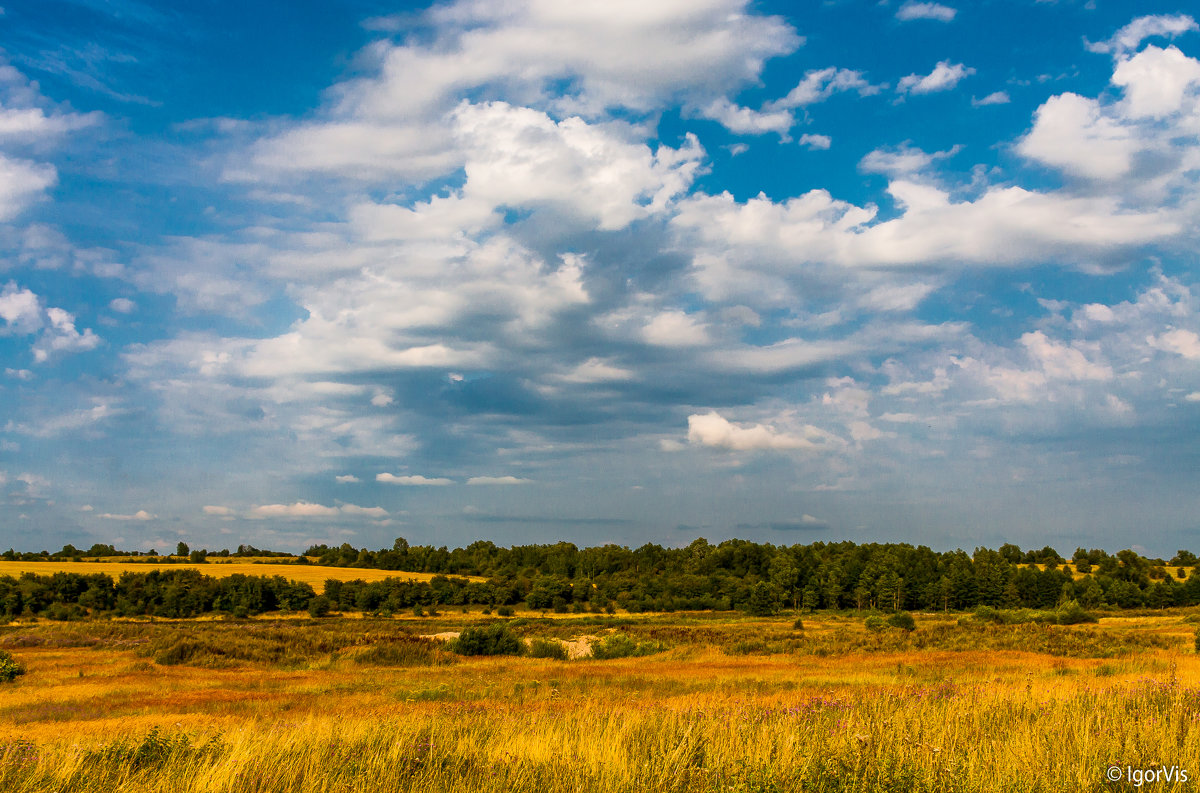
x=604, y=272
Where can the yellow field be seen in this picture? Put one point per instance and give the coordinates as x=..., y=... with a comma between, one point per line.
x=1076, y=575
x=840, y=710
x=309, y=574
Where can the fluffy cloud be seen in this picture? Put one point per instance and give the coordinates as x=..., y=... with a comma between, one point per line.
x=713, y=430
x=394, y=122
x=820, y=84
x=674, y=329
x=25, y=121
x=749, y=250
x=1060, y=361
x=140, y=515
x=745, y=121
x=61, y=336
x=20, y=309
x=22, y=313
x=1132, y=35
x=498, y=480
x=1157, y=82
x=1071, y=133
x=369, y=512
x=21, y=183
x=945, y=75
x=936, y=11
x=413, y=481
x=1092, y=364
x=518, y=157
x=1179, y=341
x=902, y=160
x=596, y=370
x=994, y=98
x=815, y=142
x=1147, y=138
x=305, y=509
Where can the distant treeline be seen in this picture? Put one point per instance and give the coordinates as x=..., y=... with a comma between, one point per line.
x=169, y=593
x=736, y=574
x=183, y=554
x=739, y=574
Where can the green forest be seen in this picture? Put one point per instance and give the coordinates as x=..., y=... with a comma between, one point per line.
x=734, y=575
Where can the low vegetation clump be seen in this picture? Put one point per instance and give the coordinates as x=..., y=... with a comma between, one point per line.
x=10, y=668
x=547, y=648
x=495, y=639
x=1067, y=613
x=619, y=645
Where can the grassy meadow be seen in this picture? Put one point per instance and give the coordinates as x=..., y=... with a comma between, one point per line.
x=720, y=702
x=313, y=575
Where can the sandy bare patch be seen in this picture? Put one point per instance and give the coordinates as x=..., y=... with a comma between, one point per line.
x=442, y=637
x=579, y=647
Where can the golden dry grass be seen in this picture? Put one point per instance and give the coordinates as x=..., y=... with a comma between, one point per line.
x=314, y=575
x=691, y=718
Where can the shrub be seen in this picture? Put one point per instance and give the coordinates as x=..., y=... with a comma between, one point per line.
x=874, y=624
x=10, y=668
x=619, y=645
x=505, y=611
x=547, y=648
x=495, y=639
x=902, y=620
x=1198, y=640
x=318, y=607
x=403, y=651
x=988, y=614
x=798, y=625
x=1071, y=613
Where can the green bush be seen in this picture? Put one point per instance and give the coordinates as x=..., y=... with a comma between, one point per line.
x=619, y=645
x=1198, y=640
x=505, y=611
x=902, y=620
x=319, y=607
x=988, y=614
x=874, y=624
x=1071, y=613
x=495, y=639
x=547, y=648
x=798, y=625
x=10, y=668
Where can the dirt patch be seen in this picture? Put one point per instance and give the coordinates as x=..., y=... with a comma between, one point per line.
x=579, y=647
x=448, y=636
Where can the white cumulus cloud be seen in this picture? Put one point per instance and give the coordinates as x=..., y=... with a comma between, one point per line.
x=936, y=11
x=713, y=430
x=945, y=75
x=415, y=480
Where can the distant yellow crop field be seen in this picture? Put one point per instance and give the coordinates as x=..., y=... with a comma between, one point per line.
x=1076, y=575
x=308, y=574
